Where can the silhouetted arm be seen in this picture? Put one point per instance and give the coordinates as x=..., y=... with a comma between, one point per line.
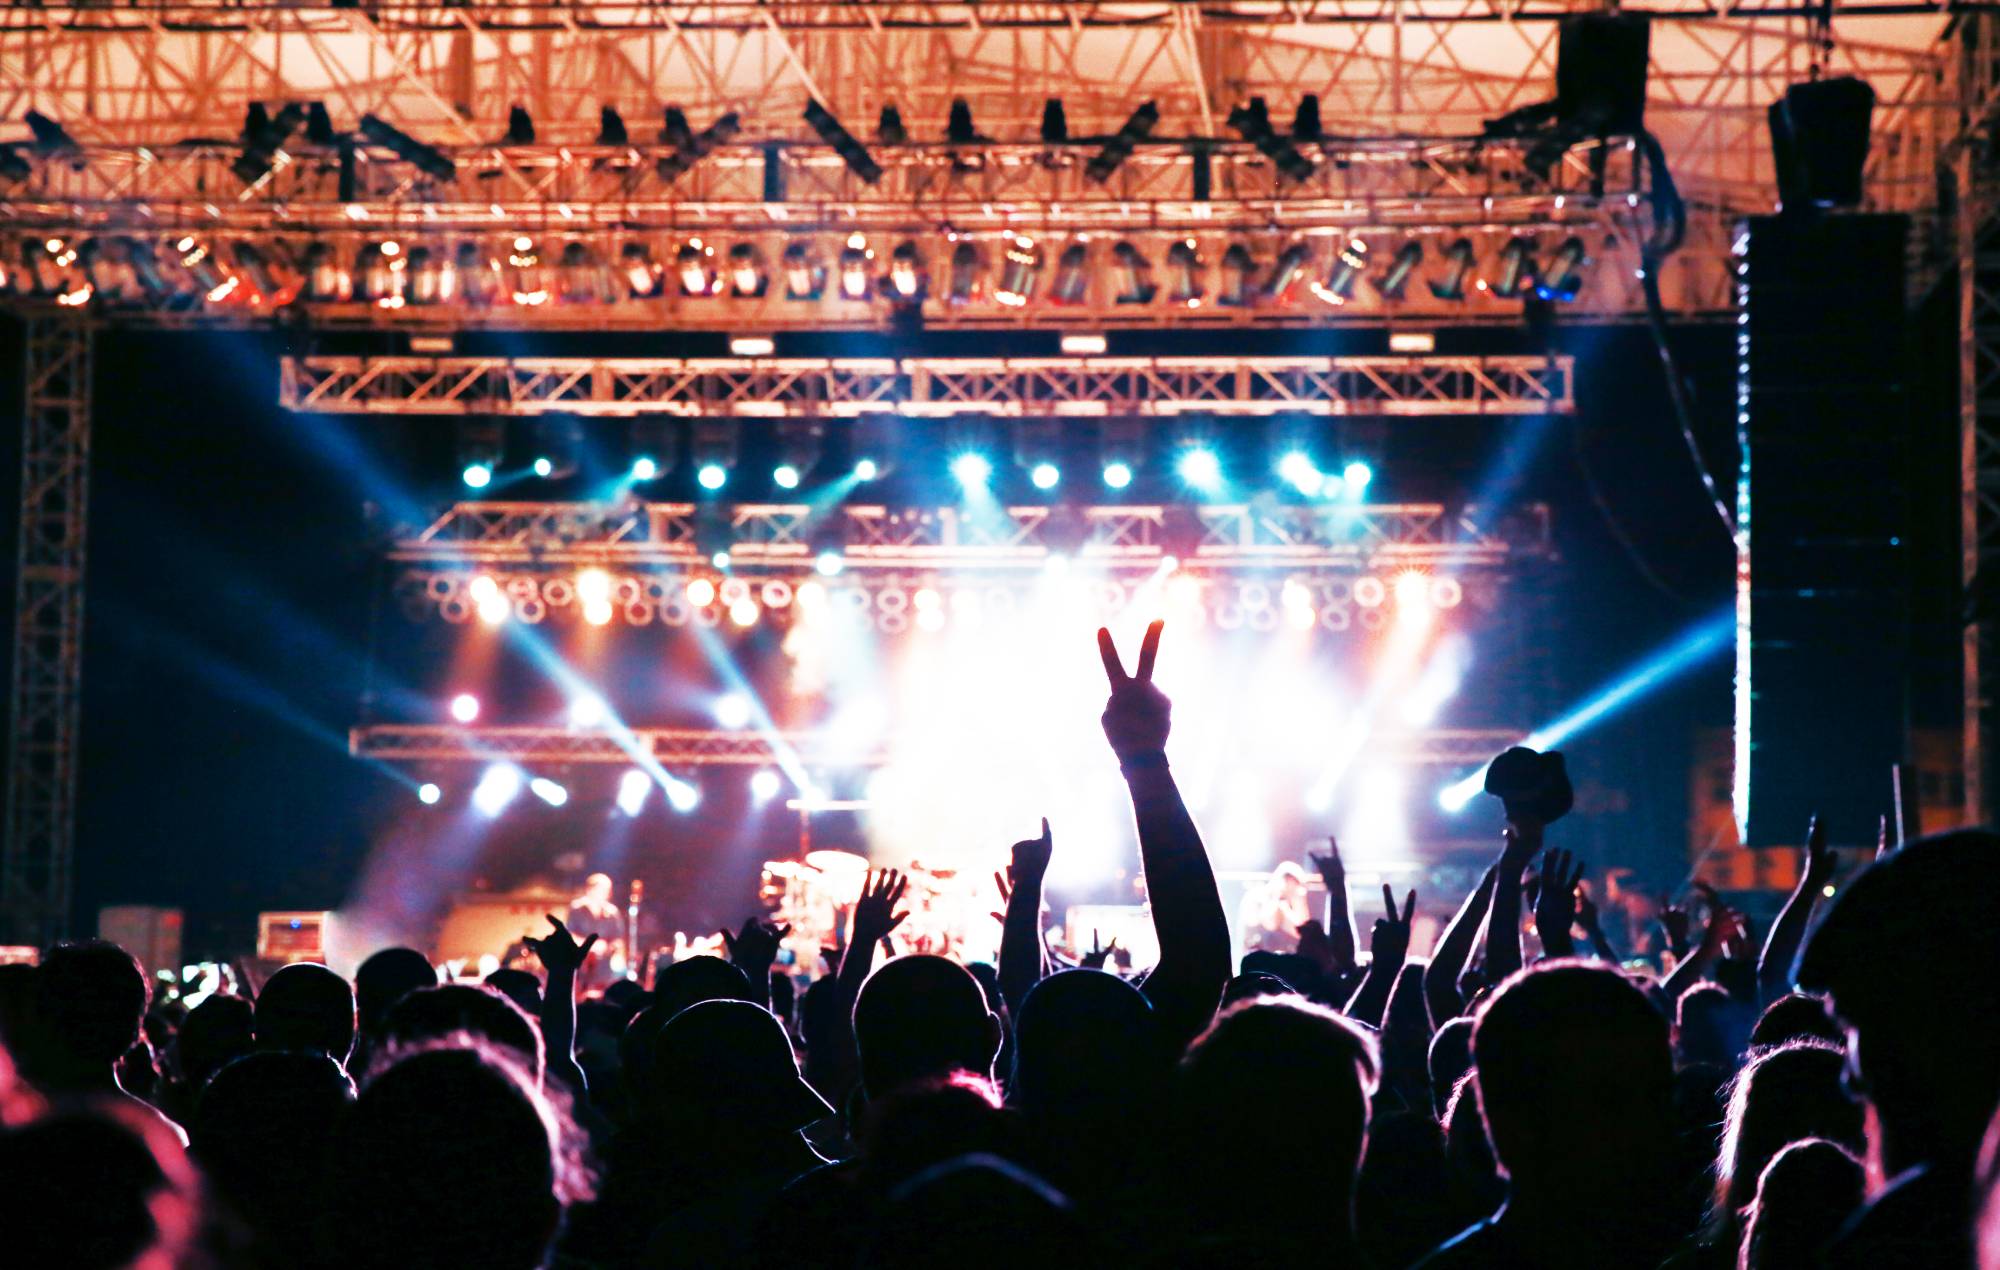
x=1723, y=925
x=1194, y=965
x=1555, y=903
x=753, y=950
x=561, y=955
x=1586, y=917
x=1388, y=948
x=1781, y=946
x=1339, y=921
x=1503, y=926
x=1022, y=964
x=1441, y=977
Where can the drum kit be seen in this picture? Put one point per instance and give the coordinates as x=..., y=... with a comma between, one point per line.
x=815, y=896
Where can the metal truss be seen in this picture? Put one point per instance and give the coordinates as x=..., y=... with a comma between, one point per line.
x=1977, y=66
x=45, y=697
x=692, y=747
x=1417, y=385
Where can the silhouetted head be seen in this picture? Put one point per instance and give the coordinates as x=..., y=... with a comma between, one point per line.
x=597, y=888
x=1450, y=1057
x=1783, y=1095
x=519, y=986
x=1266, y=1076
x=1253, y=984
x=920, y=1017
x=435, y=1014
x=385, y=978
x=1796, y=1016
x=1575, y=1078
x=306, y=1007
x=214, y=1032
x=687, y=982
x=627, y=997
x=105, y=1187
x=784, y=997
x=90, y=997
x=989, y=981
x=1806, y=1193
x=978, y=1212
x=1084, y=1040
x=730, y=1063
x=1907, y=953
x=260, y=1130
x=923, y=1125
x=431, y=1117
x=1710, y=1026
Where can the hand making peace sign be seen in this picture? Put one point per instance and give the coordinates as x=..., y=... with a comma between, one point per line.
x=1136, y=719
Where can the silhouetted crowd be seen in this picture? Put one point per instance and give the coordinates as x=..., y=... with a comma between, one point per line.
x=1822, y=1097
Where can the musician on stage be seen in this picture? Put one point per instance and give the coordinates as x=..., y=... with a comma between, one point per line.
x=1272, y=913
x=595, y=913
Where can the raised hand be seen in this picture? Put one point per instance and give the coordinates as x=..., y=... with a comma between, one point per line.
x=874, y=912
x=1328, y=866
x=1136, y=719
x=1522, y=840
x=1098, y=954
x=1390, y=941
x=559, y=950
x=1004, y=879
x=1031, y=857
x=1881, y=837
x=755, y=947
x=1586, y=910
x=1339, y=923
x=1555, y=901
x=1674, y=922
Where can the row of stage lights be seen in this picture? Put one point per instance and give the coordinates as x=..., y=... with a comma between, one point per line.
x=714, y=452
x=1008, y=269
x=502, y=783
x=892, y=608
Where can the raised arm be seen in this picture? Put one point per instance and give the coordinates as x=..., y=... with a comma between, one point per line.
x=561, y=955
x=1555, y=903
x=1503, y=927
x=1781, y=946
x=1593, y=925
x=1339, y=922
x=1441, y=977
x=1389, y=946
x=1187, y=908
x=753, y=950
x=1723, y=925
x=1022, y=965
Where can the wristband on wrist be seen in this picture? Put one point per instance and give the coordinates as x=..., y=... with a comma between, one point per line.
x=1146, y=760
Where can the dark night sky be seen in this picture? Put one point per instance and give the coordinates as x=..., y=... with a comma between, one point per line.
x=232, y=593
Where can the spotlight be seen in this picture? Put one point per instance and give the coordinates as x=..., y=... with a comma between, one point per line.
x=965, y=267
x=1287, y=269
x=1397, y=278
x=1200, y=468
x=851, y=152
x=785, y=476
x=798, y=452
x=633, y=787
x=1038, y=450
x=1117, y=475
x=478, y=276
x=972, y=470
x=644, y=468
x=829, y=564
x=548, y=791
x=1237, y=266
x=428, y=794
x=693, y=264
x=1305, y=120
x=581, y=276
x=752, y=345
x=1184, y=273
x=1119, y=147
x=1565, y=272
x=1347, y=268
x=1517, y=268
x=889, y=129
x=652, y=448
x=491, y=604
x=1450, y=285
x=865, y=470
x=1120, y=447
x=611, y=128
x=429, y=160
x=1356, y=476
x=1055, y=123
x=743, y=613
x=1413, y=590
x=520, y=127
x=682, y=796
x=1084, y=345
x=958, y=129
x=558, y=440
x=712, y=449
x=805, y=276
x=527, y=279
x=855, y=262
x=262, y=137
x=465, y=707
x=764, y=785
x=906, y=271
x=597, y=612
x=1020, y=268
x=700, y=592
x=1253, y=124
x=1072, y=280
x=690, y=147
x=1045, y=475
x=544, y=465
x=1298, y=469
x=500, y=785
x=872, y=443
x=711, y=476
x=48, y=134
x=732, y=710
x=1134, y=274
x=587, y=711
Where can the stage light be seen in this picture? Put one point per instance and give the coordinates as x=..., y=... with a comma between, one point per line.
x=732, y=710
x=1072, y=280
x=694, y=266
x=581, y=277
x=785, y=476
x=865, y=470
x=855, y=262
x=965, y=268
x=644, y=468
x=483, y=588
x=1517, y=268
x=593, y=584
x=1356, y=476
x=1237, y=266
x=1412, y=342
x=500, y=785
x=851, y=152
x=764, y=785
x=1348, y=265
x=829, y=564
x=1446, y=593
x=805, y=276
x=47, y=133
x=972, y=470
x=1119, y=147
x=1083, y=345
x=682, y=796
x=465, y=707
x=688, y=146
x=906, y=266
x=1564, y=277
x=1020, y=268
x=476, y=276
x=1450, y=285
x=1413, y=591
x=1117, y=475
x=428, y=794
x=494, y=610
x=1184, y=591
x=743, y=613
x=527, y=283
x=477, y=475
x=1200, y=468
x=544, y=465
x=1184, y=273
x=633, y=787
x=712, y=476
x=1253, y=124
x=548, y=791
x=747, y=277
x=587, y=710
x=611, y=128
x=1045, y=475
x=426, y=159
x=1298, y=469
x=597, y=612
x=700, y=592
x=1133, y=274
x=1397, y=278
x=1287, y=269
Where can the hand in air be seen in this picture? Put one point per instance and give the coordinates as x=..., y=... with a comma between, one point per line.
x=1031, y=858
x=1675, y=922
x=874, y=912
x=1331, y=870
x=559, y=950
x=1136, y=719
x=1817, y=862
x=1004, y=879
x=1390, y=942
x=755, y=947
x=1555, y=899
x=1098, y=954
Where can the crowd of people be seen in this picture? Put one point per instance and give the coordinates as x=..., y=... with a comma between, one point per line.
x=1822, y=1096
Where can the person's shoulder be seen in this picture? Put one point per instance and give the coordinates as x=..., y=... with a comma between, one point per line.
x=1921, y=1220
x=1477, y=1246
